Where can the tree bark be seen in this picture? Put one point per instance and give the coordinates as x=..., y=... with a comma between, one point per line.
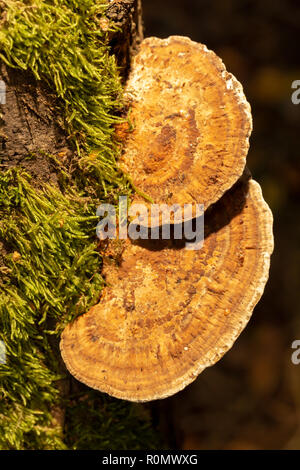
x=127, y=15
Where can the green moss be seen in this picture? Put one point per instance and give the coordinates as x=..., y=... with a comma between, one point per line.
x=50, y=275
x=108, y=421
x=49, y=265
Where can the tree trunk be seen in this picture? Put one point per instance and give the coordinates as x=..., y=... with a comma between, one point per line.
x=29, y=124
x=127, y=15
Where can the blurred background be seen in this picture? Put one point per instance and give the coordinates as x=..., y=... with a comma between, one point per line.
x=251, y=398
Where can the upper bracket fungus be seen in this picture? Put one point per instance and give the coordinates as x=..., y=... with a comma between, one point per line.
x=191, y=120
x=166, y=312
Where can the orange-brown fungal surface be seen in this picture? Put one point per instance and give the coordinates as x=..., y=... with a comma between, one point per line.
x=191, y=120
x=167, y=312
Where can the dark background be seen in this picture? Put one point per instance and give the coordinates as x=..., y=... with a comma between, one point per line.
x=251, y=398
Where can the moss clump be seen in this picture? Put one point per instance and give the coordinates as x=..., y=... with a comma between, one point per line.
x=49, y=265
x=108, y=421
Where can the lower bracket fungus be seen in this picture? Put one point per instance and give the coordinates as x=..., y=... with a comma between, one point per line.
x=167, y=313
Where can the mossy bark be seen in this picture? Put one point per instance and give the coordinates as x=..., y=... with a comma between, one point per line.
x=29, y=123
x=34, y=138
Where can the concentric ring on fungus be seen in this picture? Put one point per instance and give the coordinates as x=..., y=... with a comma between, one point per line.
x=167, y=313
x=192, y=124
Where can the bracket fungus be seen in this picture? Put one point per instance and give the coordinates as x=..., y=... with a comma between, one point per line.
x=167, y=313
x=191, y=120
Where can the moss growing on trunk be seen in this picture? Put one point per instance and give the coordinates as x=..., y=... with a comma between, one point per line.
x=50, y=268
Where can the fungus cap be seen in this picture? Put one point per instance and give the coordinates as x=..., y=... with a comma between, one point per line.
x=191, y=120
x=167, y=313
